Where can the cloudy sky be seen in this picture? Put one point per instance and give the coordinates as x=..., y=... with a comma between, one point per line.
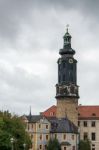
x=31, y=34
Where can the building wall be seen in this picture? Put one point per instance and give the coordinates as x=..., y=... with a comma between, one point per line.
x=69, y=137
x=31, y=129
x=38, y=133
x=42, y=134
x=68, y=107
x=89, y=130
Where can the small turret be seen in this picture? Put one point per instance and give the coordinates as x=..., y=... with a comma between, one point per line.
x=67, y=44
x=67, y=40
x=30, y=115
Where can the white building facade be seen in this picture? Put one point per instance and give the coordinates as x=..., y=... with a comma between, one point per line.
x=42, y=129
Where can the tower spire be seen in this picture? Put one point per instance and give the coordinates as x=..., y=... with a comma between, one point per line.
x=30, y=113
x=67, y=26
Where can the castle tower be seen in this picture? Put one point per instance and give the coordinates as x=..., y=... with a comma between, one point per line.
x=67, y=89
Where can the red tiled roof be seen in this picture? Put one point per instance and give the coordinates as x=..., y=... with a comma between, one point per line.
x=50, y=112
x=88, y=111
x=83, y=112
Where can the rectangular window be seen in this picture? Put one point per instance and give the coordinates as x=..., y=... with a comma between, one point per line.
x=40, y=146
x=39, y=126
x=32, y=126
x=93, y=136
x=85, y=136
x=85, y=123
x=47, y=137
x=93, y=146
x=73, y=137
x=64, y=136
x=41, y=137
x=78, y=123
x=93, y=123
x=64, y=148
x=52, y=113
x=73, y=147
x=46, y=126
x=45, y=146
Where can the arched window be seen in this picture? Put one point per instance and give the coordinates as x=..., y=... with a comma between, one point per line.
x=63, y=64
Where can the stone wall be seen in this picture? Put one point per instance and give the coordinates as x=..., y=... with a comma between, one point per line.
x=68, y=107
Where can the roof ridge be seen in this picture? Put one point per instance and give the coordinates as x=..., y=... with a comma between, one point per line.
x=50, y=107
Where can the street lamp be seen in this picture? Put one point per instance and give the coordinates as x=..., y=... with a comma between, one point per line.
x=24, y=145
x=12, y=141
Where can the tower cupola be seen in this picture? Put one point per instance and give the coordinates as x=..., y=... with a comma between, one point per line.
x=67, y=44
x=67, y=39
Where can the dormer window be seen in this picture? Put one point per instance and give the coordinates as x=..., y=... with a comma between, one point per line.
x=85, y=123
x=93, y=114
x=52, y=113
x=78, y=114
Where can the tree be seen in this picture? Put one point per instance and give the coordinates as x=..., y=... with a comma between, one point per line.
x=53, y=145
x=12, y=127
x=84, y=145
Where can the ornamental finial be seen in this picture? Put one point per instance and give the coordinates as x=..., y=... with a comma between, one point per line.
x=67, y=26
x=30, y=112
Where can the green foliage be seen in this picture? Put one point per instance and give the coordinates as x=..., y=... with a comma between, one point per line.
x=84, y=145
x=12, y=127
x=53, y=145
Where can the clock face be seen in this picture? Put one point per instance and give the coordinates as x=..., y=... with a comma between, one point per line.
x=70, y=61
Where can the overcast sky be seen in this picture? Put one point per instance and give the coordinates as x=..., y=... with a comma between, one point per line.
x=31, y=34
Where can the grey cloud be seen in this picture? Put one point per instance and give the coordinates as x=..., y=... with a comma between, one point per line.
x=13, y=13
x=19, y=79
x=20, y=89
